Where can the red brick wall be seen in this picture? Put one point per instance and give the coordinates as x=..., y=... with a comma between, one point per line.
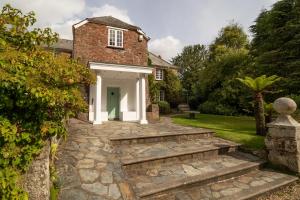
x=90, y=44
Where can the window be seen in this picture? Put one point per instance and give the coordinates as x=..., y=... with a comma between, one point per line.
x=115, y=38
x=159, y=74
x=161, y=95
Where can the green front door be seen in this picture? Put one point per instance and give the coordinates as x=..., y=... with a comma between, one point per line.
x=113, y=102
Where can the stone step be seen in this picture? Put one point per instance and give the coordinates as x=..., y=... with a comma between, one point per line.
x=141, y=155
x=161, y=136
x=248, y=186
x=160, y=179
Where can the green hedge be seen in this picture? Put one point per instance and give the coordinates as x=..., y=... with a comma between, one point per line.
x=164, y=107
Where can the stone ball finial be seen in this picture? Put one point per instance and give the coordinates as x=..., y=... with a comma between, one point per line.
x=285, y=106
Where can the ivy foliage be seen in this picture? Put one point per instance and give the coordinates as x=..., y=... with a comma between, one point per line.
x=38, y=90
x=170, y=84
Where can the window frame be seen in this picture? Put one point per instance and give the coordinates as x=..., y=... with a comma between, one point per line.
x=161, y=77
x=162, y=97
x=115, y=31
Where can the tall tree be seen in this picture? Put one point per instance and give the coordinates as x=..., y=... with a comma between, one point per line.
x=192, y=62
x=228, y=59
x=276, y=44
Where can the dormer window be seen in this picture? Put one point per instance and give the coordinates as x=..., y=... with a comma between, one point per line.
x=115, y=38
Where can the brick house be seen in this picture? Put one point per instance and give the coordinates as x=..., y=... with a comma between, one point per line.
x=117, y=52
x=159, y=66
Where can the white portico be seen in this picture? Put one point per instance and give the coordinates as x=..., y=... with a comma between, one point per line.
x=119, y=93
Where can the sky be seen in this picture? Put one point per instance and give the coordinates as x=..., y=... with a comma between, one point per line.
x=171, y=24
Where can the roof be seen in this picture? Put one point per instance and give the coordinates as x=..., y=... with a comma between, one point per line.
x=158, y=61
x=111, y=21
x=63, y=45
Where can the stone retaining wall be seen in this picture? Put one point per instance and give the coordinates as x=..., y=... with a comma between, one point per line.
x=37, y=179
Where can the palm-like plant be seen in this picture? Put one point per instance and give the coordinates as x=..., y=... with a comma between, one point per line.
x=258, y=86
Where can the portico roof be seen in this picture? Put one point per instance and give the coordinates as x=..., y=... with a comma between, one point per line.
x=120, y=68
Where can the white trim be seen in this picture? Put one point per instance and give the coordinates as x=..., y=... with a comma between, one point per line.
x=161, y=77
x=80, y=23
x=115, y=31
x=143, y=33
x=111, y=27
x=120, y=68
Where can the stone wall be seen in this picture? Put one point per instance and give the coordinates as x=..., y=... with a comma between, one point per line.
x=91, y=44
x=37, y=179
x=153, y=113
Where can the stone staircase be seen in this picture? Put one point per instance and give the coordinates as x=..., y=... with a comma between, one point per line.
x=193, y=165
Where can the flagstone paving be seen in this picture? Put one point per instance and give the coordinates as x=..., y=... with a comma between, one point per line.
x=89, y=168
x=107, y=162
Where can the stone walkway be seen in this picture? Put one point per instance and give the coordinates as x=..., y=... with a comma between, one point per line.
x=160, y=161
x=88, y=167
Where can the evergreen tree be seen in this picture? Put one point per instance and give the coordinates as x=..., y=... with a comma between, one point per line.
x=276, y=44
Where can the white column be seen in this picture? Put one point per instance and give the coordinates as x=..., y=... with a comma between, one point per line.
x=137, y=99
x=98, y=95
x=143, y=119
x=92, y=103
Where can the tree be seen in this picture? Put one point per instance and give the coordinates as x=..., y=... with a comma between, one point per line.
x=228, y=59
x=172, y=88
x=276, y=44
x=258, y=86
x=191, y=61
x=38, y=91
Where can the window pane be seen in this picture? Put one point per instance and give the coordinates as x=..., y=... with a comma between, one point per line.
x=119, y=39
x=161, y=95
x=159, y=74
x=111, y=37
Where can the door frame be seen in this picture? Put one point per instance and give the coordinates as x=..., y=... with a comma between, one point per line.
x=118, y=103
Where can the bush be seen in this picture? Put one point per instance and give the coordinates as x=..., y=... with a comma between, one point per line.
x=210, y=107
x=38, y=91
x=164, y=107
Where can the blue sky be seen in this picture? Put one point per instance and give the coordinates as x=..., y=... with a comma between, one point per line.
x=171, y=24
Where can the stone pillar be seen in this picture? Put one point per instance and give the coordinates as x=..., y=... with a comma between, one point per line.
x=98, y=97
x=143, y=119
x=283, y=138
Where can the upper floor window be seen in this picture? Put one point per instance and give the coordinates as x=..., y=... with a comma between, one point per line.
x=159, y=74
x=115, y=38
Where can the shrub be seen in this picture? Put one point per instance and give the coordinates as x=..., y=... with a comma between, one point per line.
x=164, y=107
x=38, y=91
x=210, y=107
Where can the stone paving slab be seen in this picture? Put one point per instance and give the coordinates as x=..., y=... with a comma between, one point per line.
x=247, y=186
x=166, y=176
x=87, y=165
x=178, y=135
x=139, y=152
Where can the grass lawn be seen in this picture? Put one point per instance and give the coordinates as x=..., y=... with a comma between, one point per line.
x=237, y=129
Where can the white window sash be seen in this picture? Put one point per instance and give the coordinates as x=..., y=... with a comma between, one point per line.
x=115, y=38
x=159, y=74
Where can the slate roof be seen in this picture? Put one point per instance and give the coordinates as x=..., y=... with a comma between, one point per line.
x=111, y=21
x=158, y=61
x=63, y=45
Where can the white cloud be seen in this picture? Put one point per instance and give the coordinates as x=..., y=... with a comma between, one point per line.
x=65, y=29
x=60, y=15
x=49, y=12
x=109, y=10
x=167, y=47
